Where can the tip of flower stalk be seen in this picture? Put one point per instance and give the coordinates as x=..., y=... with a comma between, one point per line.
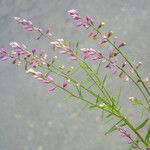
x=74, y=14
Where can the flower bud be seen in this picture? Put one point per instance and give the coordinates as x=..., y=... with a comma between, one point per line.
x=78, y=84
x=71, y=68
x=121, y=45
x=110, y=33
x=55, y=58
x=62, y=67
x=101, y=24
x=131, y=99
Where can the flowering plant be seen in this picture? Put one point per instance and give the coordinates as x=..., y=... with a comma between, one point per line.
x=90, y=88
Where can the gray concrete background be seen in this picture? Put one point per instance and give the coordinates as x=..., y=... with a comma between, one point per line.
x=32, y=119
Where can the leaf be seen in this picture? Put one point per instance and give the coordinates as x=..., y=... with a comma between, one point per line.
x=147, y=137
x=119, y=95
x=99, y=99
x=98, y=68
x=137, y=102
x=92, y=106
x=113, y=128
x=142, y=124
x=77, y=48
x=79, y=91
x=104, y=80
x=130, y=148
x=109, y=115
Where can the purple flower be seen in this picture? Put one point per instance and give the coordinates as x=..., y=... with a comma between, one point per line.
x=121, y=45
x=79, y=24
x=74, y=14
x=48, y=32
x=123, y=132
x=110, y=33
x=102, y=39
x=43, y=54
x=33, y=63
x=65, y=83
x=51, y=88
x=27, y=25
x=89, y=19
x=91, y=53
x=15, y=45
x=138, y=65
x=111, y=52
x=33, y=51
x=3, y=54
x=114, y=71
x=50, y=78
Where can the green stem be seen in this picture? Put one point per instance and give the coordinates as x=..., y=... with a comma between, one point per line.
x=124, y=58
x=132, y=81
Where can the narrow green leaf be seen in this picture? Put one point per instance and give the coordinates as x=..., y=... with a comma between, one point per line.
x=109, y=115
x=119, y=95
x=92, y=106
x=147, y=137
x=130, y=148
x=77, y=48
x=79, y=91
x=104, y=80
x=113, y=128
x=98, y=68
x=142, y=124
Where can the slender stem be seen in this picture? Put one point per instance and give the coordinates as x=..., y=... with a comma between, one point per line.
x=120, y=115
x=132, y=81
x=135, y=131
x=82, y=99
x=130, y=65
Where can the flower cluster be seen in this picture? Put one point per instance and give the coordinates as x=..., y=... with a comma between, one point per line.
x=64, y=48
x=111, y=61
x=91, y=53
x=28, y=25
x=125, y=133
x=43, y=69
x=48, y=79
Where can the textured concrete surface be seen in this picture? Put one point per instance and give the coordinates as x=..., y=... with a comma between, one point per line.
x=32, y=119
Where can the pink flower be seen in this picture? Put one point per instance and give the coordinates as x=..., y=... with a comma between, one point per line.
x=121, y=45
x=48, y=32
x=27, y=25
x=3, y=54
x=14, y=45
x=91, y=53
x=33, y=51
x=79, y=24
x=74, y=14
x=65, y=83
x=51, y=88
x=111, y=52
x=89, y=19
x=43, y=54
